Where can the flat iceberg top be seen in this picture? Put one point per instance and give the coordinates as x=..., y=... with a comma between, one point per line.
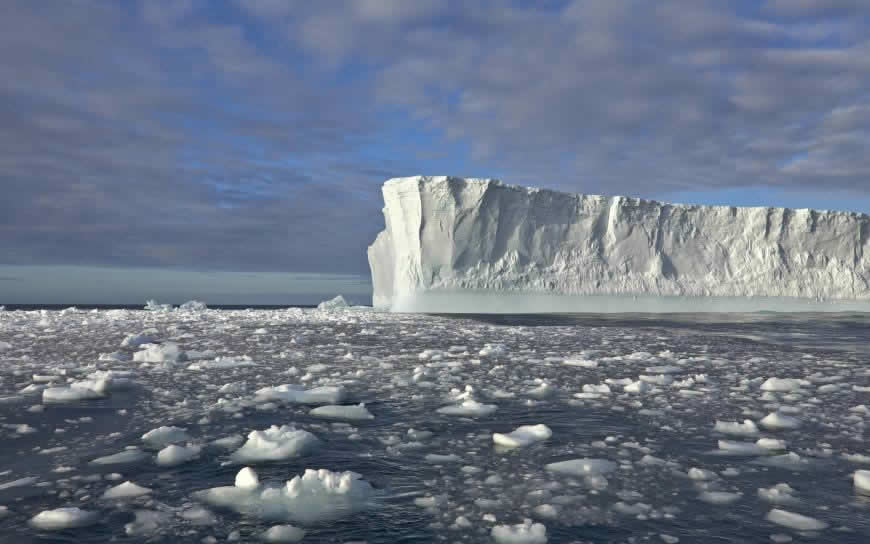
x=457, y=237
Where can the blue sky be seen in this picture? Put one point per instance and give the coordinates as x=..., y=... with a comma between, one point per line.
x=189, y=136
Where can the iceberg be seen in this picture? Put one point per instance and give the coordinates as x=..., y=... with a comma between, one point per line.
x=458, y=245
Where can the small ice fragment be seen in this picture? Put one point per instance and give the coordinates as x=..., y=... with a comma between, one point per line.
x=779, y=494
x=747, y=428
x=283, y=533
x=275, y=444
x=469, y=408
x=582, y=467
x=173, y=455
x=781, y=385
x=523, y=533
x=776, y=421
x=861, y=479
x=132, y=455
x=63, y=518
x=127, y=490
x=719, y=497
x=163, y=436
x=348, y=413
x=523, y=435
x=795, y=521
x=702, y=474
x=247, y=478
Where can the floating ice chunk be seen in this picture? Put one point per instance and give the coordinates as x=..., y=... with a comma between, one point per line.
x=702, y=474
x=127, y=490
x=543, y=390
x=583, y=363
x=5, y=345
x=348, y=413
x=778, y=494
x=336, y=303
x=523, y=435
x=154, y=306
x=547, y=511
x=317, y=495
x=582, y=467
x=283, y=533
x=84, y=390
x=147, y=523
x=719, y=497
x=523, y=533
x=19, y=482
x=638, y=387
x=136, y=340
x=789, y=461
x=777, y=421
x=861, y=481
x=468, y=408
x=602, y=389
x=193, y=306
x=747, y=428
x=493, y=350
x=798, y=522
x=731, y=447
x=247, y=478
x=297, y=394
x=229, y=442
x=163, y=436
x=772, y=444
x=173, y=455
x=274, y=444
x=131, y=455
x=63, y=518
x=167, y=352
x=781, y=385
x=222, y=363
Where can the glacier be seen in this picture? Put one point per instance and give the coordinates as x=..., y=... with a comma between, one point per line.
x=460, y=245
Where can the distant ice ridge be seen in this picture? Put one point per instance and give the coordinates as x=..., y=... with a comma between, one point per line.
x=477, y=245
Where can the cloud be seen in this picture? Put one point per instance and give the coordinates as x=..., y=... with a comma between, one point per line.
x=254, y=135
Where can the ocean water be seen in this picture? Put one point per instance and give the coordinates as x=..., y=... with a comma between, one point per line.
x=433, y=476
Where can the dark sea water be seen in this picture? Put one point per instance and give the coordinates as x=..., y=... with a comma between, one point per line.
x=697, y=369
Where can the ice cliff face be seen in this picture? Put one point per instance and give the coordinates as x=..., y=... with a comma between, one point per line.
x=456, y=235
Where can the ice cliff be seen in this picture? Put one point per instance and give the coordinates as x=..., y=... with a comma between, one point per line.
x=479, y=238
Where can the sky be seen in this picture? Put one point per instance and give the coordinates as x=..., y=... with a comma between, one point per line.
x=177, y=138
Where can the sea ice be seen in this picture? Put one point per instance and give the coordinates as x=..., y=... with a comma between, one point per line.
x=127, y=490
x=523, y=435
x=861, y=480
x=778, y=421
x=131, y=455
x=275, y=444
x=60, y=519
x=159, y=353
x=173, y=455
x=316, y=496
x=582, y=467
x=336, y=303
x=781, y=385
x=283, y=534
x=798, y=522
x=468, y=408
x=348, y=413
x=526, y=532
x=747, y=428
x=297, y=394
x=163, y=436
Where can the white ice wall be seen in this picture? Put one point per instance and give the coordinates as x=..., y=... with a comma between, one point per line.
x=453, y=235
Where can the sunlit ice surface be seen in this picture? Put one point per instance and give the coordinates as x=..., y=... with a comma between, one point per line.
x=612, y=428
